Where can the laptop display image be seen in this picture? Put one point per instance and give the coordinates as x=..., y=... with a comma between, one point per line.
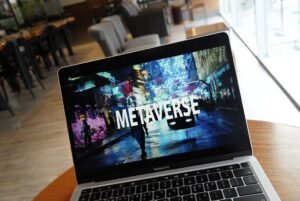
x=142, y=113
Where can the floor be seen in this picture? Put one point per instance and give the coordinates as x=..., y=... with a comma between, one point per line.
x=34, y=147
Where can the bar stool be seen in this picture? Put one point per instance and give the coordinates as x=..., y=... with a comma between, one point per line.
x=4, y=105
x=55, y=41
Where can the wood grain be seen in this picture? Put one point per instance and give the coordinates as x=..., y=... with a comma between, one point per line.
x=277, y=148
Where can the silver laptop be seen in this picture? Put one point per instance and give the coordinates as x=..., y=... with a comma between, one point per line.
x=163, y=124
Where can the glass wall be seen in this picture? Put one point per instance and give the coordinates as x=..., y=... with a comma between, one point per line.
x=241, y=16
x=271, y=29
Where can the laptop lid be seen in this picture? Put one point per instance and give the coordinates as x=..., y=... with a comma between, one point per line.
x=166, y=107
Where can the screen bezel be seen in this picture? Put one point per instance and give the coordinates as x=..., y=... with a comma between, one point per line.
x=125, y=60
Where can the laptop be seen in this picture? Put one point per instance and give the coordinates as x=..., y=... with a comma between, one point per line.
x=163, y=124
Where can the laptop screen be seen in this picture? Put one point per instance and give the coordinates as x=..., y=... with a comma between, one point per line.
x=154, y=110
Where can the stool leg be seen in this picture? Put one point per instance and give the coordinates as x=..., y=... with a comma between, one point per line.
x=62, y=55
x=25, y=74
x=67, y=42
x=4, y=100
x=47, y=61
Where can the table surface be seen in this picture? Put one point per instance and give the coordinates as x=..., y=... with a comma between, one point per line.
x=277, y=147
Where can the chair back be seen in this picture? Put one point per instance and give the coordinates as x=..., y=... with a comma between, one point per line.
x=119, y=28
x=128, y=9
x=106, y=36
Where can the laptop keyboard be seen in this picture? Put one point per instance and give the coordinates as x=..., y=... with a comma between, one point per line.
x=235, y=182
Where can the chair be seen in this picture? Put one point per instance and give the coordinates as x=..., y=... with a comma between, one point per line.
x=115, y=20
x=14, y=64
x=42, y=49
x=29, y=59
x=105, y=34
x=9, y=67
x=143, y=22
x=26, y=63
x=54, y=41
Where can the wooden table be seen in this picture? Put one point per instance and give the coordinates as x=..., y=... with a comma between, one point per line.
x=276, y=146
x=36, y=30
x=205, y=29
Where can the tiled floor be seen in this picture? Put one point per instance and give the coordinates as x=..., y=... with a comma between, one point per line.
x=34, y=145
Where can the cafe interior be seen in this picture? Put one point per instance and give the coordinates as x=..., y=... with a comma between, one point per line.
x=37, y=37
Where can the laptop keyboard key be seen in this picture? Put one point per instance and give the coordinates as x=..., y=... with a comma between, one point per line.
x=198, y=188
x=223, y=184
x=176, y=199
x=96, y=190
x=163, y=199
x=214, y=176
x=189, y=198
x=216, y=195
x=231, y=167
x=141, y=189
x=258, y=197
x=226, y=175
x=250, y=180
x=94, y=196
x=106, y=194
x=229, y=193
x=202, y=178
x=236, y=182
x=86, y=191
x=129, y=190
x=165, y=184
x=242, y=172
x=135, y=197
x=185, y=190
x=153, y=186
x=124, y=198
x=249, y=190
x=189, y=180
x=84, y=197
x=202, y=197
x=118, y=192
x=211, y=186
x=147, y=196
x=177, y=182
x=245, y=165
x=172, y=192
x=159, y=194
